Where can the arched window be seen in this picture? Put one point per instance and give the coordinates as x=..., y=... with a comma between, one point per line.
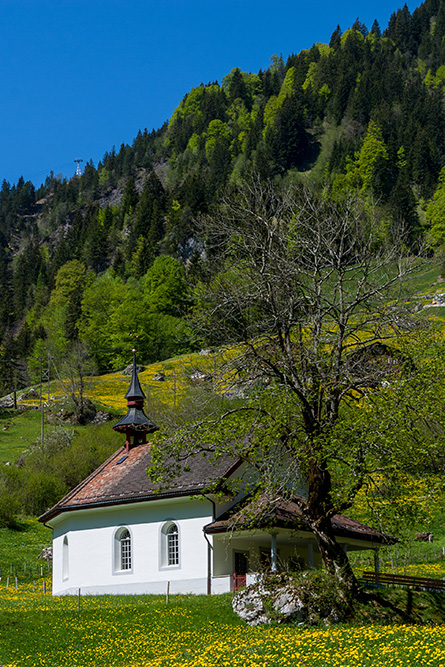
x=122, y=550
x=170, y=544
x=65, y=559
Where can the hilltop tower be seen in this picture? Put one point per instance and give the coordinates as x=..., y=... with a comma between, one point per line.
x=78, y=170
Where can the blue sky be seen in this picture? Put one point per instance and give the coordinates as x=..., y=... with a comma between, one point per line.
x=79, y=76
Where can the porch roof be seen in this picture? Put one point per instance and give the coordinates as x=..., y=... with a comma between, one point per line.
x=265, y=513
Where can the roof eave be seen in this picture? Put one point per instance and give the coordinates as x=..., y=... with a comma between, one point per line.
x=56, y=511
x=364, y=537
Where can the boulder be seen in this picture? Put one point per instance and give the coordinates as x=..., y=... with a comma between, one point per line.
x=197, y=375
x=67, y=413
x=101, y=417
x=425, y=537
x=30, y=394
x=265, y=602
x=248, y=604
x=282, y=598
x=129, y=370
x=7, y=402
x=46, y=554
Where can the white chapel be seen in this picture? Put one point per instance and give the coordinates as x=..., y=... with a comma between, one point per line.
x=118, y=532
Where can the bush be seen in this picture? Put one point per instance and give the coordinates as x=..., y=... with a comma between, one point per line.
x=10, y=484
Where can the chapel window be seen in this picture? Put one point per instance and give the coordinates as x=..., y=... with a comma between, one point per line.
x=173, y=545
x=170, y=547
x=125, y=540
x=122, y=553
x=65, y=557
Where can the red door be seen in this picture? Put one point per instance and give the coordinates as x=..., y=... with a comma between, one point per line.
x=241, y=565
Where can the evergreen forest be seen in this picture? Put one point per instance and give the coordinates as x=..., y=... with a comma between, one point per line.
x=112, y=258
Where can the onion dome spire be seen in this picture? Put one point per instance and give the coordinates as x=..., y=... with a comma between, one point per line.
x=135, y=424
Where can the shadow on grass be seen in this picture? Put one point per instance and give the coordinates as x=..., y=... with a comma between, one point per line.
x=402, y=605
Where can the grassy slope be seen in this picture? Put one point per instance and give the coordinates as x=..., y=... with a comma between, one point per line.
x=200, y=631
x=19, y=429
x=189, y=631
x=196, y=630
x=18, y=547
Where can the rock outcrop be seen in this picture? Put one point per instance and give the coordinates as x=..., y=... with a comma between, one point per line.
x=283, y=598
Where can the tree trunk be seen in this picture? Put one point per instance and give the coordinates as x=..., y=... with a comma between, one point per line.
x=334, y=557
x=319, y=508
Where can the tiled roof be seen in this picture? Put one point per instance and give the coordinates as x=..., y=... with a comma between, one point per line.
x=123, y=479
x=266, y=513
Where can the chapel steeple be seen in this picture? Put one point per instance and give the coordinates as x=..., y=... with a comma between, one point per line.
x=135, y=424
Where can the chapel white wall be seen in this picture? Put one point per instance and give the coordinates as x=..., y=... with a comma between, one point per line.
x=90, y=535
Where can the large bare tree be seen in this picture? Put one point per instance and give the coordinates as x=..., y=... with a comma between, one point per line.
x=304, y=294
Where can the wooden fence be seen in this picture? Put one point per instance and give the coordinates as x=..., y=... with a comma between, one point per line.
x=25, y=575
x=423, y=583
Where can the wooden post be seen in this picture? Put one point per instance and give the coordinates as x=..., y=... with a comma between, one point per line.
x=33, y=586
x=41, y=570
x=310, y=555
x=7, y=582
x=78, y=601
x=24, y=568
x=376, y=561
x=44, y=587
x=16, y=583
x=168, y=592
x=273, y=552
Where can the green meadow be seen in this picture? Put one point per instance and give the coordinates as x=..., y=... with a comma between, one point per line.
x=20, y=428
x=136, y=631
x=140, y=631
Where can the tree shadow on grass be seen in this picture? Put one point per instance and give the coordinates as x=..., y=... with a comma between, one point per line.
x=405, y=605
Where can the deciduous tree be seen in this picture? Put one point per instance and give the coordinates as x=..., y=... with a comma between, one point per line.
x=305, y=298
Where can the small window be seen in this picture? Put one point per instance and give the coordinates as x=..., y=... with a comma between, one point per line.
x=173, y=545
x=170, y=553
x=65, y=559
x=125, y=541
x=122, y=550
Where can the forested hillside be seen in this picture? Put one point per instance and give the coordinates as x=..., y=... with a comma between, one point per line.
x=111, y=258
